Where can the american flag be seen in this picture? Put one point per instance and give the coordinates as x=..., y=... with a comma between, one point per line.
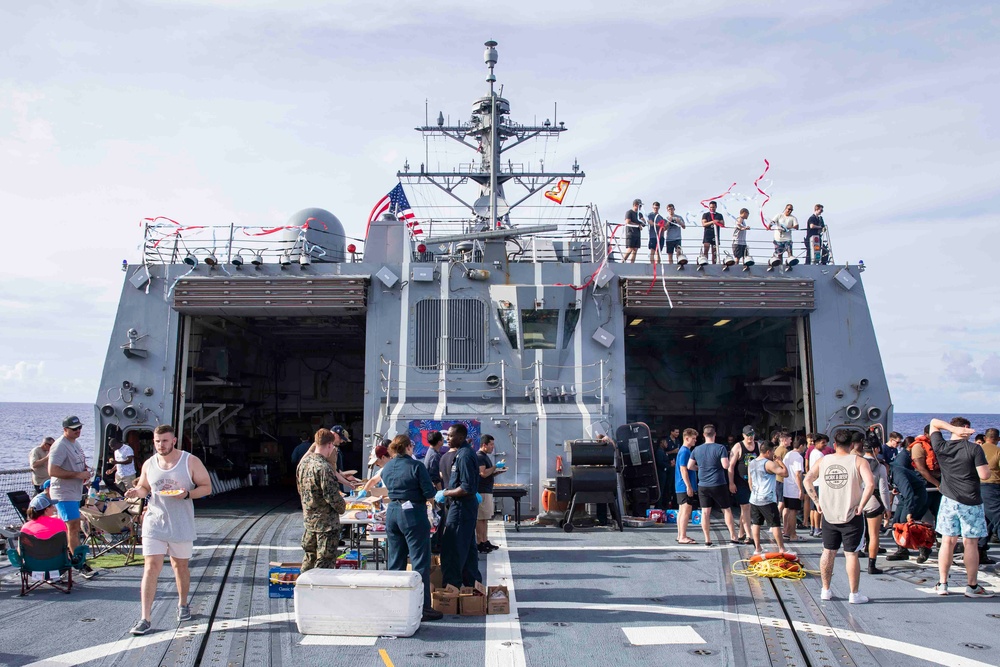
x=395, y=202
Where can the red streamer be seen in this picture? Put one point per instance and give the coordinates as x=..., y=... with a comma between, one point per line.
x=767, y=197
x=303, y=226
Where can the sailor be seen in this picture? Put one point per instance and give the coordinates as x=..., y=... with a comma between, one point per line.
x=432, y=459
x=38, y=459
x=783, y=224
x=675, y=224
x=657, y=233
x=740, y=456
x=711, y=221
x=69, y=472
x=407, y=530
x=322, y=503
x=814, y=227
x=459, y=556
x=634, y=222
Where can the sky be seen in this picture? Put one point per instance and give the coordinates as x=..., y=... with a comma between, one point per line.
x=226, y=111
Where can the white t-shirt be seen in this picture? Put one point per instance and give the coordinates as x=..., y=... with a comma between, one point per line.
x=795, y=464
x=814, y=459
x=781, y=225
x=125, y=453
x=740, y=235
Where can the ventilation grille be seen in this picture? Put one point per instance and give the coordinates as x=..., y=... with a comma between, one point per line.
x=467, y=329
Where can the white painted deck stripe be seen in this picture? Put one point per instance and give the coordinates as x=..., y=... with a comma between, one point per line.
x=905, y=648
x=504, y=647
x=618, y=547
x=659, y=635
x=337, y=640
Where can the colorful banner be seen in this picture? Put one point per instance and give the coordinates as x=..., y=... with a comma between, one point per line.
x=420, y=428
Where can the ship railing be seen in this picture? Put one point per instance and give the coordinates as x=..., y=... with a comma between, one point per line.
x=503, y=385
x=13, y=480
x=760, y=244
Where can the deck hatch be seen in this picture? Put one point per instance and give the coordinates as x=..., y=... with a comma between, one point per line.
x=713, y=293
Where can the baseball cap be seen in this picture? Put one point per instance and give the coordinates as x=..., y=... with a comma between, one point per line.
x=636, y=201
x=748, y=430
x=342, y=432
x=46, y=484
x=72, y=422
x=40, y=502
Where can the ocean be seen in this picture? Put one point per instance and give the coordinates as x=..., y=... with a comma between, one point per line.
x=23, y=425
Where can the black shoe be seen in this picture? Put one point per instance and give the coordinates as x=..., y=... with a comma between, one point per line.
x=924, y=554
x=431, y=615
x=984, y=557
x=871, y=567
x=87, y=572
x=491, y=545
x=482, y=548
x=881, y=550
x=900, y=554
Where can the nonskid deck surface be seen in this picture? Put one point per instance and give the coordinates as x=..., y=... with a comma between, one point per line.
x=591, y=597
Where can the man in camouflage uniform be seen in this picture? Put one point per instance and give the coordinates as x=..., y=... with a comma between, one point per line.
x=322, y=503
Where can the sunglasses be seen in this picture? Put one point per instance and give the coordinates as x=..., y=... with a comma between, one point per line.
x=78, y=428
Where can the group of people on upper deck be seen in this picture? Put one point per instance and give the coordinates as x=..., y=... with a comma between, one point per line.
x=665, y=232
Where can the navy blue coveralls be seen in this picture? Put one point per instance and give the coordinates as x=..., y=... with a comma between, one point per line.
x=407, y=531
x=459, y=556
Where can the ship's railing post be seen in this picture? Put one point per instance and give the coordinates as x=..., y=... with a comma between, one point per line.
x=503, y=387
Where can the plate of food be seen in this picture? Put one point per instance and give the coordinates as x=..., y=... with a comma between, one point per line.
x=172, y=493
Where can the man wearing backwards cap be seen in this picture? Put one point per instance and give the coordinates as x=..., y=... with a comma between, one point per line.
x=68, y=470
x=634, y=222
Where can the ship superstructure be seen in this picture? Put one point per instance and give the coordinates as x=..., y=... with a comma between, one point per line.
x=522, y=325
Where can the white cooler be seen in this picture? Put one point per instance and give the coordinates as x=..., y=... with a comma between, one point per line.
x=358, y=602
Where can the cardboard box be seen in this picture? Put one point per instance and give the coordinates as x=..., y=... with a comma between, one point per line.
x=472, y=600
x=445, y=600
x=437, y=577
x=281, y=579
x=497, y=603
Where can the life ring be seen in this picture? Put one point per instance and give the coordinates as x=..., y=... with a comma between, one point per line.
x=790, y=557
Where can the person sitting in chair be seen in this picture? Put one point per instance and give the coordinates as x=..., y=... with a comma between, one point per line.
x=43, y=523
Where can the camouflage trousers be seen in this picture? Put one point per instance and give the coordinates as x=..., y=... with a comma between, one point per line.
x=320, y=548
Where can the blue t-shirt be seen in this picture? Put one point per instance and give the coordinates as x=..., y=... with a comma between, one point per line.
x=683, y=456
x=709, y=459
x=764, y=491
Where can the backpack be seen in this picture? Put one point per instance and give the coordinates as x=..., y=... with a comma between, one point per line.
x=914, y=535
x=932, y=462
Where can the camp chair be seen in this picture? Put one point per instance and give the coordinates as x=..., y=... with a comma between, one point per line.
x=38, y=560
x=112, y=529
x=20, y=501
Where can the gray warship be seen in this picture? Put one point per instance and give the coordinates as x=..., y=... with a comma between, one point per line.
x=247, y=337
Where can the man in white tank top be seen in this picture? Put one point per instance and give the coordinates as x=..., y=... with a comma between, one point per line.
x=841, y=501
x=172, y=479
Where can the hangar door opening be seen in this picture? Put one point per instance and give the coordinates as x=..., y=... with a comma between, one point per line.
x=690, y=371
x=254, y=387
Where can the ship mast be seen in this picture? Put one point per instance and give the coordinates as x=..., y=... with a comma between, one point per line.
x=488, y=133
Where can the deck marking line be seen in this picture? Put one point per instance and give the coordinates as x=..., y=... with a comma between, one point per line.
x=337, y=640
x=385, y=658
x=912, y=650
x=658, y=635
x=588, y=547
x=504, y=647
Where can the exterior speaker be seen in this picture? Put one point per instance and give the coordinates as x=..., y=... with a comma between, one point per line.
x=387, y=277
x=845, y=279
x=853, y=411
x=129, y=412
x=604, y=337
x=604, y=277
x=108, y=410
x=874, y=414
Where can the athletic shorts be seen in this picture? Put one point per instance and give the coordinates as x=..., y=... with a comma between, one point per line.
x=154, y=547
x=709, y=236
x=779, y=491
x=782, y=246
x=655, y=242
x=793, y=503
x=633, y=237
x=685, y=499
x=956, y=519
x=739, y=251
x=486, y=508
x=742, y=495
x=847, y=534
x=761, y=513
x=673, y=246
x=712, y=497
x=69, y=510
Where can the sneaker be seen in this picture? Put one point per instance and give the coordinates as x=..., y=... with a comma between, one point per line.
x=758, y=552
x=826, y=594
x=183, y=612
x=941, y=589
x=857, y=598
x=977, y=591
x=141, y=628
x=87, y=572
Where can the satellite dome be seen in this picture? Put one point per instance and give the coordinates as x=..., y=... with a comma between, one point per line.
x=324, y=231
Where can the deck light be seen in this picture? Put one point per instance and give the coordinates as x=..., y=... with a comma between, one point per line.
x=774, y=262
x=191, y=260
x=728, y=262
x=258, y=260
x=790, y=262
x=702, y=261
x=351, y=248
x=636, y=321
x=721, y=323
x=237, y=261
x=747, y=262
x=286, y=260
x=421, y=248
x=304, y=260
x=689, y=336
x=211, y=260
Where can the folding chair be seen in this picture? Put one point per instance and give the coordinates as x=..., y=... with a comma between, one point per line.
x=20, y=501
x=38, y=559
x=114, y=530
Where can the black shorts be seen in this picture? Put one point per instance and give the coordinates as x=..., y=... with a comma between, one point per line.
x=793, y=504
x=715, y=496
x=673, y=246
x=847, y=534
x=779, y=491
x=685, y=499
x=878, y=511
x=739, y=251
x=742, y=495
x=761, y=513
x=633, y=237
x=709, y=236
x=655, y=241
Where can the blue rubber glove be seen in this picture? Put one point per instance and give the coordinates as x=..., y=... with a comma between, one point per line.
x=362, y=494
x=439, y=497
x=501, y=465
x=479, y=499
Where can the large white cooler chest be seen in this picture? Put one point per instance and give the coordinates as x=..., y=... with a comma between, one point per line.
x=359, y=602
